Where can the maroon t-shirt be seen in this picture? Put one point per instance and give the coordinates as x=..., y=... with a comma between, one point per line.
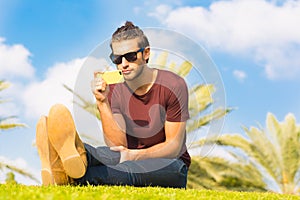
x=145, y=115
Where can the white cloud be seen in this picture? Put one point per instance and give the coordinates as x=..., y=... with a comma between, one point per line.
x=15, y=67
x=161, y=12
x=38, y=97
x=34, y=97
x=240, y=75
x=266, y=31
x=9, y=109
x=15, y=61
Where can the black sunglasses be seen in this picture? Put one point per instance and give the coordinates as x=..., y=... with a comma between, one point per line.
x=130, y=57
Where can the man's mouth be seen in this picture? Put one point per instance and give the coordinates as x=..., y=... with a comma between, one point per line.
x=126, y=71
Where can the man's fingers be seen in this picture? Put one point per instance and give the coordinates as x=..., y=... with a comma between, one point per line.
x=98, y=84
x=117, y=148
x=97, y=74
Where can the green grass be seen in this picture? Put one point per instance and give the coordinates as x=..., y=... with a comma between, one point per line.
x=19, y=192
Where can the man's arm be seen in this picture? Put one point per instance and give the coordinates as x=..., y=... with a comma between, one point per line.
x=113, y=125
x=170, y=148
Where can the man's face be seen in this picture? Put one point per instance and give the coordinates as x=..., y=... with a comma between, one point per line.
x=133, y=69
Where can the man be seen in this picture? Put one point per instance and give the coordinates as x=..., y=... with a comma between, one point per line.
x=143, y=121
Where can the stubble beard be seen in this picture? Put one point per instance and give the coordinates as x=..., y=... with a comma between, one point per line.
x=136, y=75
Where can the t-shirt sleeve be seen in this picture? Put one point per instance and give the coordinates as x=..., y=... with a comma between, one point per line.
x=177, y=108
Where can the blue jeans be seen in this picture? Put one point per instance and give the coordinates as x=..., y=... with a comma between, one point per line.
x=104, y=169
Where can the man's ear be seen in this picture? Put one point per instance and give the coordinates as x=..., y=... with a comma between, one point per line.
x=146, y=53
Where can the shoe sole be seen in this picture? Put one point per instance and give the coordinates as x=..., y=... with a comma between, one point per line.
x=62, y=134
x=47, y=177
x=43, y=150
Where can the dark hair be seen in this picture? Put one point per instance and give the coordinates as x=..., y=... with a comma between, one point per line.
x=130, y=31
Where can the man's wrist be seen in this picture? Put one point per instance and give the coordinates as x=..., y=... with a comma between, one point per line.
x=102, y=104
x=137, y=154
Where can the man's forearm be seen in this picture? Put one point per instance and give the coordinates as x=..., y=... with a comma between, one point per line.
x=170, y=148
x=161, y=150
x=113, y=134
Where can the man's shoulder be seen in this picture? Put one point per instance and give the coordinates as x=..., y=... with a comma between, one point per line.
x=167, y=72
x=169, y=77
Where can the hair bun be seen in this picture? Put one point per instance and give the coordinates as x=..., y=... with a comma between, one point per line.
x=129, y=24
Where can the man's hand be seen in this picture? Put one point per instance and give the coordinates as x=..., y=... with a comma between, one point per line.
x=126, y=154
x=99, y=88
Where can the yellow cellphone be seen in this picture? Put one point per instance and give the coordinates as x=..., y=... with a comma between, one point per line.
x=112, y=77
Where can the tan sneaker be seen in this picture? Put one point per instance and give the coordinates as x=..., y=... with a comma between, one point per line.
x=58, y=172
x=65, y=140
x=52, y=169
x=43, y=150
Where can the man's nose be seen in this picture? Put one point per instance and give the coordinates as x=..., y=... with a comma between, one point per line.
x=124, y=62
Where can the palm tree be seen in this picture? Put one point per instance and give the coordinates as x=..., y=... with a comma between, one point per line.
x=5, y=124
x=273, y=151
x=217, y=173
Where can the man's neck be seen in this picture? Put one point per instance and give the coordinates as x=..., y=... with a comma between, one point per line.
x=144, y=82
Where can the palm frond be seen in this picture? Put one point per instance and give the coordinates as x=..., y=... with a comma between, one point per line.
x=172, y=66
x=206, y=119
x=264, y=152
x=200, y=97
x=290, y=150
x=4, y=85
x=161, y=60
x=84, y=104
x=184, y=68
x=13, y=168
x=275, y=149
x=222, y=174
x=6, y=123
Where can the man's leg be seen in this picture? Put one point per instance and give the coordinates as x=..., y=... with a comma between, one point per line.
x=152, y=172
x=63, y=136
x=52, y=171
x=101, y=156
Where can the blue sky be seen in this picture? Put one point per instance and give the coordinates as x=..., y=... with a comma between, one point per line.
x=254, y=44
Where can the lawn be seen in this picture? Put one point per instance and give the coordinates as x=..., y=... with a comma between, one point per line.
x=20, y=192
